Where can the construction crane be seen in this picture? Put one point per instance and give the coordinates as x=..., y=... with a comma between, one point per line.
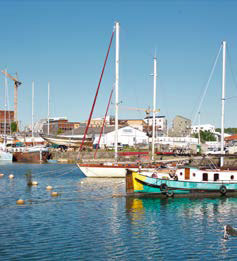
x=16, y=85
x=147, y=111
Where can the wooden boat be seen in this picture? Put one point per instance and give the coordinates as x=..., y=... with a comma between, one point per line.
x=34, y=154
x=188, y=180
x=68, y=141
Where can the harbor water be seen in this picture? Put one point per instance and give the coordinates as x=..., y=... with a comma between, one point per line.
x=89, y=221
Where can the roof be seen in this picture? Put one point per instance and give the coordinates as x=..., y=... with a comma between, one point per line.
x=233, y=137
x=95, y=130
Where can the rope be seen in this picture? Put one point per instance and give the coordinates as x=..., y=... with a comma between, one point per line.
x=97, y=91
x=102, y=128
x=207, y=84
x=57, y=170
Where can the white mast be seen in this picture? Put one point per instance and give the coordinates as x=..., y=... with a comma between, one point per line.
x=154, y=110
x=223, y=101
x=199, y=134
x=116, y=90
x=5, y=111
x=48, y=104
x=32, y=120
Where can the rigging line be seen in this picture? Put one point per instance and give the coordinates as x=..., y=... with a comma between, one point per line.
x=207, y=84
x=102, y=128
x=97, y=91
x=55, y=170
x=231, y=68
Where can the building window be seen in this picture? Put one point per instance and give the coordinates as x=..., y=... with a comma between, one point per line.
x=216, y=177
x=205, y=177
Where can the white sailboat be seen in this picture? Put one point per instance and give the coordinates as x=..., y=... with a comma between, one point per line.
x=115, y=169
x=4, y=154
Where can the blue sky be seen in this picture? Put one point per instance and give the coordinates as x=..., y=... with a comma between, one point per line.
x=65, y=42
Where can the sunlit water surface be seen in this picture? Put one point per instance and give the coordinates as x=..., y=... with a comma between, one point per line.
x=86, y=222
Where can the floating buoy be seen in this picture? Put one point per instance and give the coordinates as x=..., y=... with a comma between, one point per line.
x=1, y=175
x=54, y=194
x=20, y=202
x=34, y=183
x=49, y=188
x=11, y=176
x=82, y=182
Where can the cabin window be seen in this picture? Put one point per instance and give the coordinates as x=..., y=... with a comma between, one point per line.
x=232, y=177
x=181, y=173
x=194, y=174
x=216, y=176
x=204, y=176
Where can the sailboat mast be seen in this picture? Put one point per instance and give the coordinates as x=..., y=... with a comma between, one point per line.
x=116, y=90
x=32, y=118
x=5, y=111
x=154, y=109
x=48, y=104
x=223, y=101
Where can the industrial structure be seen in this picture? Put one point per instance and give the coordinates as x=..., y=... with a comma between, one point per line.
x=16, y=85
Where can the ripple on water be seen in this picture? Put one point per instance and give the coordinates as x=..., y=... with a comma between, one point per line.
x=86, y=222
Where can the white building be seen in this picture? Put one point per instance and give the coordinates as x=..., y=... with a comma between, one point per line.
x=126, y=136
x=160, y=122
x=203, y=127
x=177, y=142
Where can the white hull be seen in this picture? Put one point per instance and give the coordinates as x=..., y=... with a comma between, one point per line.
x=5, y=156
x=104, y=171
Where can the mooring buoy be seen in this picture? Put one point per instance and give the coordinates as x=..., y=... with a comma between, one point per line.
x=49, y=188
x=20, y=202
x=1, y=175
x=11, y=176
x=34, y=183
x=54, y=194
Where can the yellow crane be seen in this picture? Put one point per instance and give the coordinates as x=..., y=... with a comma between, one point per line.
x=147, y=111
x=16, y=85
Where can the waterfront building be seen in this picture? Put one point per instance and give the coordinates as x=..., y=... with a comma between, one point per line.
x=203, y=127
x=181, y=127
x=9, y=119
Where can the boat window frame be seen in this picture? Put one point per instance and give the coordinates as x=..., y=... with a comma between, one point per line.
x=215, y=175
x=204, y=179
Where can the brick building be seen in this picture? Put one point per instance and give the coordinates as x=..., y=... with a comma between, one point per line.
x=9, y=119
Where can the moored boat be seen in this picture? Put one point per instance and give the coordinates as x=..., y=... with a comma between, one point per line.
x=187, y=180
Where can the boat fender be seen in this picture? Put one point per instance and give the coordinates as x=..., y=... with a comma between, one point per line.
x=163, y=186
x=170, y=193
x=223, y=189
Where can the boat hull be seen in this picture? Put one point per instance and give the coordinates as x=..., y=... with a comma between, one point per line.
x=31, y=157
x=136, y=183
x=103, y=171
x=5, y=156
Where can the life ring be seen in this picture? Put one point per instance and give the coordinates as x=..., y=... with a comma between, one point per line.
x=223, y=189
x=170, y=193
x=163, y=187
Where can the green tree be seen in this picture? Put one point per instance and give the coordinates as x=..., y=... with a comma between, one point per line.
x=13, y=126
x=205, y=136
x=60, y=131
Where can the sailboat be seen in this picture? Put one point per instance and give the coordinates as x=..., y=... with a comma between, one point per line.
x=4, y=154
x=188, y=180
x=116, y=169
x=34, y=154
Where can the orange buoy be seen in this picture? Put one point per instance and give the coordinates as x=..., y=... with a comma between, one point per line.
x=20, y=202
x=54, y=194
x=1, y=175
